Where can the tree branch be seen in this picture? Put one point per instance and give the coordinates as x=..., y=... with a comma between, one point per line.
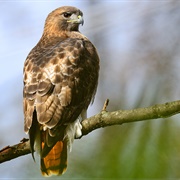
x=11, y=152
x=103, y=119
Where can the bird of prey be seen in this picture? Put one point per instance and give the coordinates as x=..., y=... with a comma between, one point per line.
x=60, y=81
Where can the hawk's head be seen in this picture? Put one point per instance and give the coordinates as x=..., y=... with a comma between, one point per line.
x=66, y=18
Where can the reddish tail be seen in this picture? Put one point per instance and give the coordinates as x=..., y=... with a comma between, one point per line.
x=55, y=163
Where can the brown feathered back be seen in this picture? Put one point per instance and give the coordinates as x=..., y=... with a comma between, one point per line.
x=60, y=80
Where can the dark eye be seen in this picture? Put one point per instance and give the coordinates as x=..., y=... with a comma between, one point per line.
x=67, y=14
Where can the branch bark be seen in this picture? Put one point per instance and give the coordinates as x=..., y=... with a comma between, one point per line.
x=103, y=119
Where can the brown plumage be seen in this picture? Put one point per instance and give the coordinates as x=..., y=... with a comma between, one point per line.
x=60, y=81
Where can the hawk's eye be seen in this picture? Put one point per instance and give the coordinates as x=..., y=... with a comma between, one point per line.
x=67, y=14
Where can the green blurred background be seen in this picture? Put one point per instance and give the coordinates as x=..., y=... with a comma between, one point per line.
x=139, y=47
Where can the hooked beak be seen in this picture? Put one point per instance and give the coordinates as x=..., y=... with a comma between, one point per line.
x=76, y=19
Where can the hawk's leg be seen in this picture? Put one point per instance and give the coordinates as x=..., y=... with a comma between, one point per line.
x=73, y=130
x=78, y=126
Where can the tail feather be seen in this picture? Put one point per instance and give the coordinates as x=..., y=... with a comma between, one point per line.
x=55, y=162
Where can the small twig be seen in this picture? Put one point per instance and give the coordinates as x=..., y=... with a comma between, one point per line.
x=105, y=105
x=24, y=140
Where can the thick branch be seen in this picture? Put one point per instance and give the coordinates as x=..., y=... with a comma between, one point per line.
x=103, y=119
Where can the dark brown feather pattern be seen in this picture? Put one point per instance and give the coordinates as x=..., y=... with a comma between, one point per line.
x=60, y=79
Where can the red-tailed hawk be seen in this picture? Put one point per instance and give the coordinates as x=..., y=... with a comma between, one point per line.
x=60, y=81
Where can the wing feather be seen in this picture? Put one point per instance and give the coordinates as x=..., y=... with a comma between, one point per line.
x=59, y=86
